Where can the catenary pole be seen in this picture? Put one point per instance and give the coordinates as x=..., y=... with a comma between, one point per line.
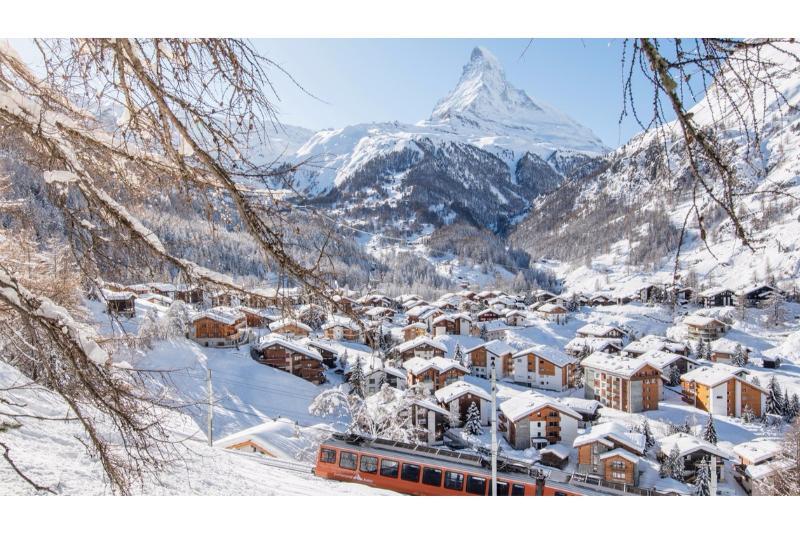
x=494, y=430
x=210, y=408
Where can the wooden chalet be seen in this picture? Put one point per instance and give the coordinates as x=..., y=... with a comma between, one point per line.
x=456, y=324
x=610, y=452
x=342, y=328
x=435, y=373
x=487, y=315
x=757, y=460
x=429, y=421
x=602, y=331
x=423, y=347
x=293, y=357
x=623, y=383
x=756, y=296
x=191, y=294
x=717, y=297
x=290, y=327
x=256, y=318
x=552, y=311
x=457, y=398
x=722, y=390
x=724, y=351
x=219, y=327
x=414, y=330
x=120, y=303
x=482, y=355
x=544, y=367
x=587, y=345
x=692, y=451
x=704, y=327
x=533, y=420
x=516, y=317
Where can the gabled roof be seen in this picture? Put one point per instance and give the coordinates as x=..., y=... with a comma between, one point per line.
x=430, y=406
x=700, y=321
x=340, y=321
x=688, y=444
x=272, y=340
x=727, y=346
x=418, y=365
x=621, y=452
x=758, y=450
x=420, y=341
x=557, y=357
x=496, y=347
x=615, y=364
x=492, y=310
x=581, y=405
x=713, y=291
x=524, y=404
x=551, y=308
x=223, y=314
x=595, y=344
x=451, y=318
x=457, y=389
x=661, y=359
x=117, y=296
x=609, y=433
x=744, y=291
x=278, y=324
x=415, y=325
x=713, y=375
x=598, y=330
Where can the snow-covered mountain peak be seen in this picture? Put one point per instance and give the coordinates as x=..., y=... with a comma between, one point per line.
x=485, y=102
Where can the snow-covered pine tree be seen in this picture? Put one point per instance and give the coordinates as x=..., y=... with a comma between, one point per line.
x=484, y=332
x=685, y=427
x=700, y=349
x=702, y=483
x=739, y=358
x=793, y=408
x=710, y=432
x=458, y=354
x=776, y=314
x=356, y=380
x=774, y=402
x=649, y=439
x=473, y=425
x=755, y=381
x=676, y=466
x=674, y=376
x=748, y=415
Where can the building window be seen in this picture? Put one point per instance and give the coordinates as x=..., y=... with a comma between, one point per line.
x=389, y=468
x=347, y=460
x=453, y=480
x=369, y=464
x=618, y=475
x=410, y=472
x=432, y=476
x=326, y=455
x=476, y=485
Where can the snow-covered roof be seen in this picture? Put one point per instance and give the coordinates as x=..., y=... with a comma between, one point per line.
x=615, y=431
x=272, y=340
x=458, y=389
x=551, y=308
x=418, y=365
x=561, y=451
x=422, y=311
x=752, y=288
x=223, y=314
x=620, y=452
x=727, y=346
x=548, y=353
x=713, y=291
x=415, y=325
x=430, y=406
x=713, y=375
x=496, y=347
x=524, y=404
x=375, y=311
x=340, y=321
x=764, y=469
x=595, y=344
x=758, y=450
x=670, y=485
x=581, y=405
x=284, y=322
x=661, y=359
x=163, y=287
x=117, y=296
x=700, y=321
x=420, y=341
x=598, y=330
x=452, y=317
x=615, y=364
x=688, y=444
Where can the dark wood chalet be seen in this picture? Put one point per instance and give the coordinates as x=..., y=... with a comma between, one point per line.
x=292, y=357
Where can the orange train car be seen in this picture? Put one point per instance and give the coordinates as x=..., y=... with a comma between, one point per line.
x=424, y=471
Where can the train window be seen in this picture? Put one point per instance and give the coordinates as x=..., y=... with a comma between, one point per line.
x=327, y=455
x=347, y=460
x=410, y=472
x=389, y=468
x=432, y=476
x=453, y=480
x=476, y=485
x=369, y=464
x=559, y=493
x=502, y=488
x=517, y=490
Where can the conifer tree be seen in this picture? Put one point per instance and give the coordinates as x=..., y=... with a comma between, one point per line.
x=774, y=397
x=748, y=415
x=700, y=350
x=702, y=483
x=473, y=425
x=676, y=467
x=710, y=432
x=458, y=354
x=674, y=376
x=739, y=358
x=356, y=380
x=649, y=439
x=793, y=408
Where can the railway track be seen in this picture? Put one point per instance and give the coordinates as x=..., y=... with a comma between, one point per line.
x=283, y=464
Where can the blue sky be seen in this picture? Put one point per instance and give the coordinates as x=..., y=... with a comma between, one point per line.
x=375, y=80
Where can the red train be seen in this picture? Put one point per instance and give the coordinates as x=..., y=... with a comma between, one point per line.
x=425, y=471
